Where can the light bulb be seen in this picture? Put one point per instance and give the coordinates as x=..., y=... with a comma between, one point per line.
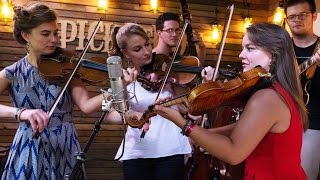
x=247, y=23
x=216, y=33
x=103, y=5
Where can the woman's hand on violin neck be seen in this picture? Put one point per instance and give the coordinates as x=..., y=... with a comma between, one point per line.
x=37, y=118
x=162, y=100
x=166, y=112
x=130, y=75
x=207, y=74
x=170, y=114
x=183, y=109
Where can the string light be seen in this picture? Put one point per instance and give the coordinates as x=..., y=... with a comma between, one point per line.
x=154, y=5
x=279, y=15
x=247, y=22
x=6, y=10
x=216, y=33
x=103, y=5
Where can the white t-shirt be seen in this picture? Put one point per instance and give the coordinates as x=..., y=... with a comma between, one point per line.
x=163, y=138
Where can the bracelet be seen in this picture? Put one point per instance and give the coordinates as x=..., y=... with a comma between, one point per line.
x=183, y=129
x=189, y=129
x=18, y=113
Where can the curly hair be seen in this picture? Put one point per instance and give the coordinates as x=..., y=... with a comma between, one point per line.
x=29, y=17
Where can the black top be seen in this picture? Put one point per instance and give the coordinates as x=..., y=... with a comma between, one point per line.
x=313, y=106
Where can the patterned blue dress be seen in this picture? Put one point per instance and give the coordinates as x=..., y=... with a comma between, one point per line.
x=51, y=156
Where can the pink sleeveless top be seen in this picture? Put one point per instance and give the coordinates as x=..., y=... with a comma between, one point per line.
x=277, y=156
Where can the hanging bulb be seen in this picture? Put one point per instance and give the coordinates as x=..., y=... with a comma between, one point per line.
x=154, y=5
x=103, y=5
x=216, y=33
x=278, y=15
x=6, y=10
x=247, y=23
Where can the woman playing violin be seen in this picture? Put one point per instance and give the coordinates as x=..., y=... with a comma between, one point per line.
x=160, y=154
x=52, y=155
x=268, y=134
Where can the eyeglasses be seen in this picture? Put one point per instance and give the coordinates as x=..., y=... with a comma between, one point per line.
x=301, y=16
x=171, y=31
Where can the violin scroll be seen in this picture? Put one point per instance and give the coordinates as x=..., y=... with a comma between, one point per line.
x=135, y=122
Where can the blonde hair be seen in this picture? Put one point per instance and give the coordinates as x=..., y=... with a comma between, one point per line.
x=121, y=35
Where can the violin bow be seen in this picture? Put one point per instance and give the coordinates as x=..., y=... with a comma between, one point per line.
x=224, y=37
x=173, y=58
x=54, y=105
x=169, y=67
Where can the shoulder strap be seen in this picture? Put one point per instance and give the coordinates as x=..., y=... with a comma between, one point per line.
x=308, y=66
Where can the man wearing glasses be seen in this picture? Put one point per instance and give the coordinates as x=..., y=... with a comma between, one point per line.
x=300, y=17
x=168, y=31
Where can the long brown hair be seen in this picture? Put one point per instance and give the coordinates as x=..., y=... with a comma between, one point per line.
x=284, y=68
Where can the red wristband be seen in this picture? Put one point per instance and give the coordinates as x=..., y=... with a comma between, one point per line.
x=189, y=129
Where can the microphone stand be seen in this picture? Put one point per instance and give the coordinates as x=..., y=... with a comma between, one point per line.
x=82, y=156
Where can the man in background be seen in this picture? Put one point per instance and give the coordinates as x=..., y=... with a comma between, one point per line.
x=300, y=17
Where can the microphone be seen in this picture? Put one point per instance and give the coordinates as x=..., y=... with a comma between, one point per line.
x=119, y=92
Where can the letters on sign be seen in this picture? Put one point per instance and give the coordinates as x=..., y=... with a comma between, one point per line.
x=71, y=30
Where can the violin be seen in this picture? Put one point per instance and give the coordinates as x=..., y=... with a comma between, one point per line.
x=217, y=94
x=210, y=95
x=59, y=65
x=184, y=69
x=94, y=71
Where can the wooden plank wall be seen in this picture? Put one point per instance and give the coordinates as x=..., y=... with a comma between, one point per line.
x=100, y=164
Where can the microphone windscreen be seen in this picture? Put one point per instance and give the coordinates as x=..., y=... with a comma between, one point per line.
x=114, y=67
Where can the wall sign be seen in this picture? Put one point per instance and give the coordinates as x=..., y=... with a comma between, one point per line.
x=71, y=30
